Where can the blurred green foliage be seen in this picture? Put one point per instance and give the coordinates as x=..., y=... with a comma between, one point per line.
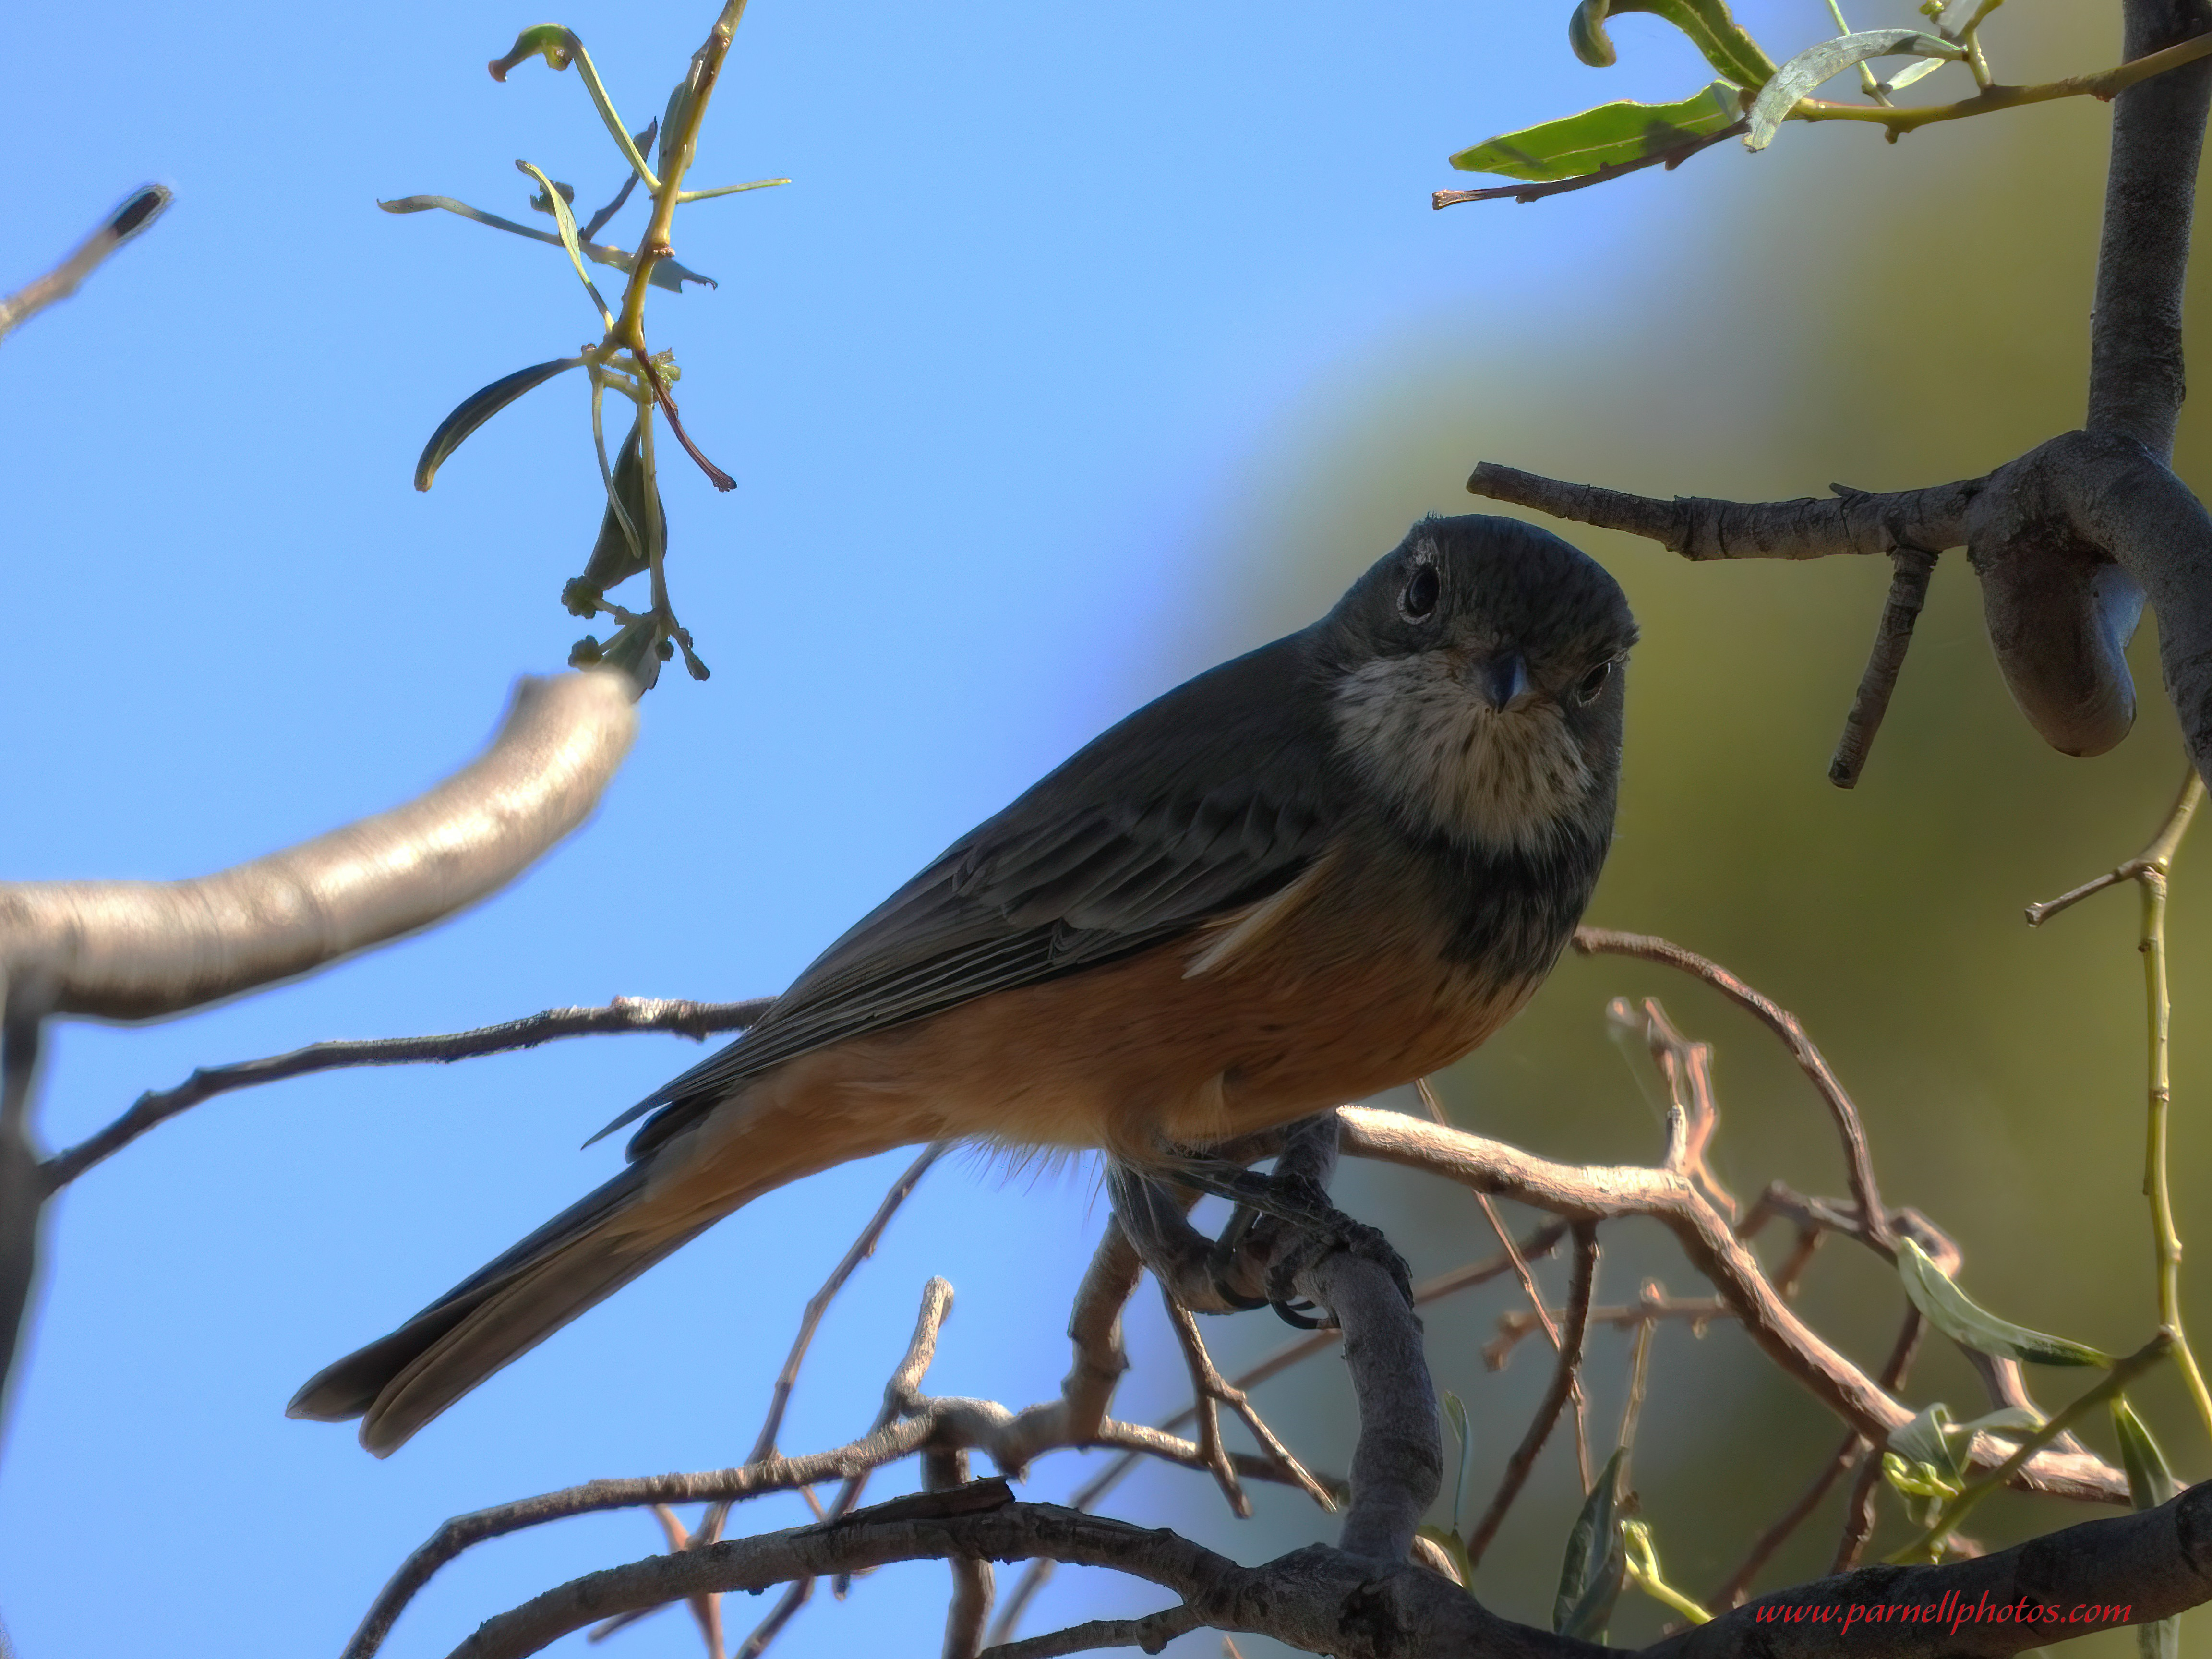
x=1836, y=309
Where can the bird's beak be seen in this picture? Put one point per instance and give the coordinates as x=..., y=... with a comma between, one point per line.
x=1502, y=679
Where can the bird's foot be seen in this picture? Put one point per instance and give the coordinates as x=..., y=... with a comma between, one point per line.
x=1266, y=1205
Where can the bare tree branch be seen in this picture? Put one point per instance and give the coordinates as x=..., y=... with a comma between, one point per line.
x=696, y=1020
x=1669, y=159
x=1846, y=1457
x=2132, y=1569
x=1700, y=527
x=1858, y=1157
x=137, y=949
x=2136, y=379
x=1600, y=1192
x=862, y=1248
x=1540, y=1242
x=137, y=211
x=1152, y=1633
x=1565, y=1375
x=946, y=1470
x=1908, y=592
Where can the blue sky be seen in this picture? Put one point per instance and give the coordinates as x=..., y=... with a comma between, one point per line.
x=996, y=375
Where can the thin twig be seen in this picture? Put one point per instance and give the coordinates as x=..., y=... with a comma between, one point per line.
x=795, y=1596
x=1697, y=1312
x=715, y=476
x=137, y=211
x=1687, y=1068
x=764, y=1447
x=599, y=221
x=2105, y=84
x=2149, y=871
x=1669, y=159
x=1595, y=1193
x=862, y=1248
x=1858, y=1509
x=1908, y=592
x=1542, y=1317
x=1555, y=1397
x=1209, y=1386
x=696, y=1020
x=2157, y=857
x=1858, y=1157
x=1206, y=1399
x=1436, y=1109
x=1152, y=1633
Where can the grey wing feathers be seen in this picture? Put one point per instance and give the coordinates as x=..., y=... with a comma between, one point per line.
x=1211, y=798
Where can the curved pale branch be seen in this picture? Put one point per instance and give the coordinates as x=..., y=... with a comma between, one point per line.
x=1598, y=1192
x=138, y=949
x=132, y=215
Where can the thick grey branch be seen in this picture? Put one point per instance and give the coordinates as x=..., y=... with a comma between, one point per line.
x=2136, y=1568
x=133, y=950
x=1700, y=527
x=2136, y=374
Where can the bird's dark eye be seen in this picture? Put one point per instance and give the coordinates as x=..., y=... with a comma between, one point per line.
x=1418, y=602
x=1592, y=684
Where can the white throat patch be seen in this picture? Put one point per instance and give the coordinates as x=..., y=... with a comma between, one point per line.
x=1450, y=763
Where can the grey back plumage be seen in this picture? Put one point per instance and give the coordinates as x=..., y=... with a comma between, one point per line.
x=1208, y=799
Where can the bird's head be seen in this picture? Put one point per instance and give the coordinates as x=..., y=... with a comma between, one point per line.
x=1476, y=679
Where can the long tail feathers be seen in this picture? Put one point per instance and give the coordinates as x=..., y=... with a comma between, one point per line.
x=399, y=1382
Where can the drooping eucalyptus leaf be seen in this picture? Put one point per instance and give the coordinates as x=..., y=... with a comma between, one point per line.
x=666, y=273
x=1597, y=1563
x=1947, y=1308
x=1810, y=67
x=2150, y=1481
x=1927, y=1439
x=1609, y=135
x=479, y=406
x=1717, y=35
x=615, y=558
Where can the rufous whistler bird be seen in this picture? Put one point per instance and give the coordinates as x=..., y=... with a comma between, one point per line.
x=1327, y=867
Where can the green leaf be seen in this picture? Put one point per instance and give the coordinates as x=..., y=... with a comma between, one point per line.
x=1809, y=68
x=666, y=273
x=473, y=410
x=554, y=43
x=637, y=652
x=1597, y=1563
x=1608, y=135
x=1914, y=1479
x=1927, y=1439
x=2150, y=1482
x=615, y=558
x=1455, y=1415
x=1707, y=22
x=557, y=204
x=1945, y=1306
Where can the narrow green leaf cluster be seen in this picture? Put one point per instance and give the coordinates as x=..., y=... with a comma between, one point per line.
x=633, y=534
